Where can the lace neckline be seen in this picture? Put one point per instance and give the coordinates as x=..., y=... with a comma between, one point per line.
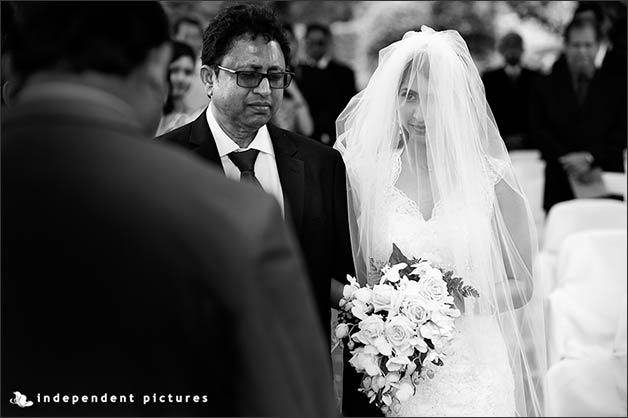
x=411, y=207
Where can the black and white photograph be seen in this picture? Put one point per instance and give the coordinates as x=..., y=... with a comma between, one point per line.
x=313, y=208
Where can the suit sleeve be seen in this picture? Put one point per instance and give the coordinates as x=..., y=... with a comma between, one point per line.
x=541, y=130
x=607, y=151
x=343, y=256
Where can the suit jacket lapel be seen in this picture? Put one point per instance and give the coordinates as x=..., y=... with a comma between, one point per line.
x=290, y=168
x=202, y=141
x=291, y=174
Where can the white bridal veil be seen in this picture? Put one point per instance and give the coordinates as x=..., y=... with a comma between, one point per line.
x=426, y=86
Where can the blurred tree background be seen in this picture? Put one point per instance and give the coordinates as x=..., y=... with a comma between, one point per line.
x=362, y=28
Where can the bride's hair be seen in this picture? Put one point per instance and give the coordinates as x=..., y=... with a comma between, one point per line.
x=469, y=180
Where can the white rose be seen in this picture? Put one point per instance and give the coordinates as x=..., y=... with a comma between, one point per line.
x=434, y=273
x=371, y=328
x=415, y=310
x=381, y=297
x=399, y=332
x=363, y=294
x=433, y=287
x=364, y=360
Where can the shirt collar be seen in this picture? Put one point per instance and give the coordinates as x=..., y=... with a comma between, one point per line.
x=512, y=70
x=226, y=145
x=321, y=64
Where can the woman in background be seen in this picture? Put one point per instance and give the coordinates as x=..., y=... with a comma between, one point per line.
x=294, y=113
x=180, y=73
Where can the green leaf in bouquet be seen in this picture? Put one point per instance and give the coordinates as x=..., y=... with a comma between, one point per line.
x=469, y=291
x=458, y=290
x=429, y=343
x=397, y=256
x=447, y=275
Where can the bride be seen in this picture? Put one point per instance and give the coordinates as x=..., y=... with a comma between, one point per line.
x=428, y=171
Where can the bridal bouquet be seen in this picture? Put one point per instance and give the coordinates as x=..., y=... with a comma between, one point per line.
x=397, y=331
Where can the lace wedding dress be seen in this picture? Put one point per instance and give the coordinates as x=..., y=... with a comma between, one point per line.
x=476, y=378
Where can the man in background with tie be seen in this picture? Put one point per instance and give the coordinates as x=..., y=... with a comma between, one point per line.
x=578, y=117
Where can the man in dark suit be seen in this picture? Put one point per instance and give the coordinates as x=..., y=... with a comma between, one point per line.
x=137, y=281
x=244, y=69
x=244, y=73
x=326, y=84
x=578, y=117
x=508, y=93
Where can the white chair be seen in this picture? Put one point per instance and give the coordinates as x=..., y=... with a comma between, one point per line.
x=620, y=351
x=566, y=218
x=590, y=385
x=615, y=183
x=582, y=312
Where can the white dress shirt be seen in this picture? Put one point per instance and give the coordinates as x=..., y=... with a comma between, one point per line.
x=265, y=164
x=513, y=71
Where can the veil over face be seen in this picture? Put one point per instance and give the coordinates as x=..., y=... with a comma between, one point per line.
x=423, y=126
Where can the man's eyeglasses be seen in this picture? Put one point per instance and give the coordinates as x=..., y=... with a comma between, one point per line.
x=252, y=79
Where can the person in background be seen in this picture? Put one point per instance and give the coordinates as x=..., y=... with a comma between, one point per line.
x=594, y=11
x=294, y=113
x=326, y=84
x=615, y=59
x=578, y=117
x=508, y=93
x=129, y=269
x=180, y=75
x=611, y=17
x=189, y=29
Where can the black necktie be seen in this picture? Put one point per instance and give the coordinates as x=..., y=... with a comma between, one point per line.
x=245, y=161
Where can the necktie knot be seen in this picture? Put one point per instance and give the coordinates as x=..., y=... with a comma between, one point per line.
x=245, y=160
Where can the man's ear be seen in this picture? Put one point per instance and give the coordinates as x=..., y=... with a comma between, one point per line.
x=208, y=77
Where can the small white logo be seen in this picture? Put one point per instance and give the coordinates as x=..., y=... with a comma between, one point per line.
x=20, y=400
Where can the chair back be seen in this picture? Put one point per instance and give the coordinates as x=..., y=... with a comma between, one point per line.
x=584, y=309
x=566, y=218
